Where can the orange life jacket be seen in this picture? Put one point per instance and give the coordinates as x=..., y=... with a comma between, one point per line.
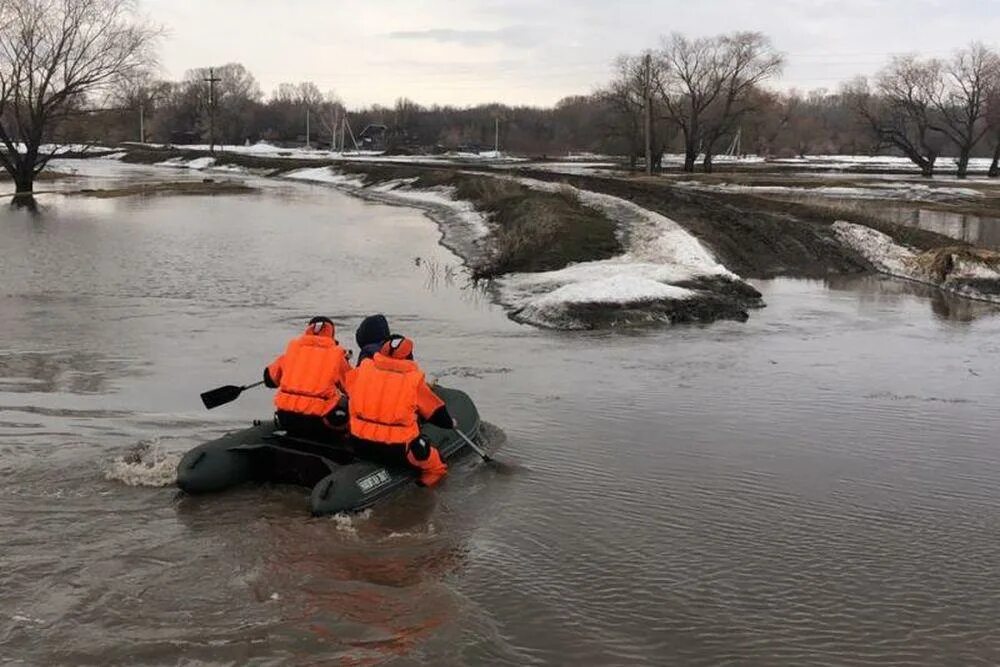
x=385, y=400
x=309, y=372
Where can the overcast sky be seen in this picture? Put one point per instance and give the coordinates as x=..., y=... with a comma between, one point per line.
x=535, y=52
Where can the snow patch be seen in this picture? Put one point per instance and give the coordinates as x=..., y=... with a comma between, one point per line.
x=198, y=163
x=900, y=261
x=885, y=255
x=659, y=254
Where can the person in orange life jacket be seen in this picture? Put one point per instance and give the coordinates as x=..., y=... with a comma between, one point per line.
x=309, y=378
x=371, y=336
x=388, y=395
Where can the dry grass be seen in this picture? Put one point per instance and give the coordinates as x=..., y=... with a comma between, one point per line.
x=940, y=262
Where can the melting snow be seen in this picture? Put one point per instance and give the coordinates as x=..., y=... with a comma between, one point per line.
x=897, y=260
x=659, y=253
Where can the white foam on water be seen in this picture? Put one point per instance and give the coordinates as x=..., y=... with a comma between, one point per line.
x=348, y=523
x=147, y=464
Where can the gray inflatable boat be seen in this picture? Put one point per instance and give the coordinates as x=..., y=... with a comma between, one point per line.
x=340, y=482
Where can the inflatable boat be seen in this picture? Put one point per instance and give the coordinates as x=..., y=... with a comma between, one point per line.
x=340, y=482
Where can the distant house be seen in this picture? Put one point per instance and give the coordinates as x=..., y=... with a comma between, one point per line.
x=373, y=137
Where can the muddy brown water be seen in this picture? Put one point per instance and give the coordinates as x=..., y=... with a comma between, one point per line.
x=815, y=486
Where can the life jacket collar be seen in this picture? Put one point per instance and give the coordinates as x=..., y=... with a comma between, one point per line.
x=385, y=363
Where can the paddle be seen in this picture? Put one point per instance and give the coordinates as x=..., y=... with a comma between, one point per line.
x=226, y=394
x=486, y=457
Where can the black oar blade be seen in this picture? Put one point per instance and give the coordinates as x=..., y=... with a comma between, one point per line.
x=221, y=396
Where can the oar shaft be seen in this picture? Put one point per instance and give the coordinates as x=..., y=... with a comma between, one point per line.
x=474, y=446
x=251, y=386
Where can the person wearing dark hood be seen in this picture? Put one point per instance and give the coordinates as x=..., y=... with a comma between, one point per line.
x=388, y=397
x=309, y=378
x=372, y=333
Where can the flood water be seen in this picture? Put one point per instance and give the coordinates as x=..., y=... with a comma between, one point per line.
x=815, y=486
x=975, y=229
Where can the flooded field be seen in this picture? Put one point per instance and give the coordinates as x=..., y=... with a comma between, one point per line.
x=814, y=486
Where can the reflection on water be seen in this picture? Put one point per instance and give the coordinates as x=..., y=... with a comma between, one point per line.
x=813, y=486
x=978, y=230
x=944, y=305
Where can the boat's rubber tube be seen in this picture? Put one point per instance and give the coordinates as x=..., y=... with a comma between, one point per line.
x=361, y=484
x=339, y=482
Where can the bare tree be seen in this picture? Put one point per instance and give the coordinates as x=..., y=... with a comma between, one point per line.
x=690, y=84
x=627, y=104
x=744, y=61
x=633, y=93
x=993, y=120
x=139, y=93
x=54, y=54
x=961, y=100
x=901, y=114
x=236, y=102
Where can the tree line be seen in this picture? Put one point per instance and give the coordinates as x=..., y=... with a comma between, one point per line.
x=80, y=71
x=693, y=96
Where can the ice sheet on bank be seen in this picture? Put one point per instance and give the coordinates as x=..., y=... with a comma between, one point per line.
x=63, y=149
x=556, y=308
x=647, y=236
x=197, y=163
x=965, y=275
x=659, y=255
x=263, y=149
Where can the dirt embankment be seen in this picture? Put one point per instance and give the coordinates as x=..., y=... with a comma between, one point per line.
x=754, y=236
x=532, y=230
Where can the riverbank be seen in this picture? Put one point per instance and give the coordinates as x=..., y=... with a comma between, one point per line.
x=598, y=250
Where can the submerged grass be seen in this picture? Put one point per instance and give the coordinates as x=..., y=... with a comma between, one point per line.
x=940, y=262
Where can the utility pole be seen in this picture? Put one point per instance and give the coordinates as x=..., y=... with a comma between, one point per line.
x=647, y=84
x=343, y=124
x=307, y=127
x=212, y=79
x=142, y=125
x=496, y=137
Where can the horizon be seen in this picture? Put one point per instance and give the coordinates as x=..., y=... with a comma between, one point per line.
x=517, y=54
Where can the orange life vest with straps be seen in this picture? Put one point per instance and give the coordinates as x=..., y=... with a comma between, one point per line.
x=386, y=396
x=309, y=373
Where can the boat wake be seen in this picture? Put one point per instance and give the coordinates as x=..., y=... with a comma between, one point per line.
x=145, y=464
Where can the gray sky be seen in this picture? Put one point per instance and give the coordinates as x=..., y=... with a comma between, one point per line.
x=517, y=51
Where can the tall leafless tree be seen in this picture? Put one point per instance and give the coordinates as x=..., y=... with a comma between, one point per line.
x=993, y=120
x=746, y=60
x=690, y=84
x=634, y=90
x=54, y=55
x=960, y=99
x=901, y=112
x=706, y=85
